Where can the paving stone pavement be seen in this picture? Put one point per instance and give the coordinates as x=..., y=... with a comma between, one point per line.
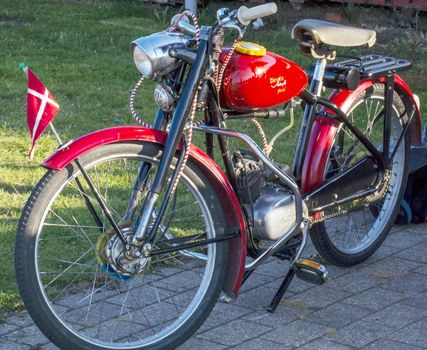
x=379, y=304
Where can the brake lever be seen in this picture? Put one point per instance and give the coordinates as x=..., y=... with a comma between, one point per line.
x=228, y=19
x=232, y=25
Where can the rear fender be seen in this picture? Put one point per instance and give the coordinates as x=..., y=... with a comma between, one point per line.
x=324, y=130
x=230, y=203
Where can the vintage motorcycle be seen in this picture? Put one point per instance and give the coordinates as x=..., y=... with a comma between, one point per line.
x=132, y=234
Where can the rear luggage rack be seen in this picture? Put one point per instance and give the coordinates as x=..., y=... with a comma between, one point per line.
x=348, y=73
x=374, y=66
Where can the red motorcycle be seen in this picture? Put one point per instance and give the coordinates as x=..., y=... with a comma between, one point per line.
x=129, y=238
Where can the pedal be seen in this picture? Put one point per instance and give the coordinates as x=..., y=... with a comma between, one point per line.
x=310, y=271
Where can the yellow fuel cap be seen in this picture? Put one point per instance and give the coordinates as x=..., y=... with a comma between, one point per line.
x=250, y=49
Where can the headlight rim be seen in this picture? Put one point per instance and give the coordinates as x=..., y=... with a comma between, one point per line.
x=137, y=50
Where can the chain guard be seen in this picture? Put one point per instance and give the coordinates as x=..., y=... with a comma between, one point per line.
x=366, y=201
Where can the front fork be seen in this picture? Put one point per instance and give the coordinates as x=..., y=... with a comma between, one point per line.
x=142, y=176
x=183, y=108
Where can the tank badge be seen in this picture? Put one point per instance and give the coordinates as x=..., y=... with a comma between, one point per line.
x=278, y=83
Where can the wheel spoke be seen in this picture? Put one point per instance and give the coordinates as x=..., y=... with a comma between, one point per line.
x=69, y=267
x=71, y=227
x=92, y=291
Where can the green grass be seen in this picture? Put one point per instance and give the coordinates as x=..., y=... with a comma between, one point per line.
x=80, y=50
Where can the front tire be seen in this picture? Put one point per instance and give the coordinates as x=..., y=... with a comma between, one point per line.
x=351, y=237
x=67, y=283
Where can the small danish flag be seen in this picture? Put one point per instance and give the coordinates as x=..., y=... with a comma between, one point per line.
x=41, y=108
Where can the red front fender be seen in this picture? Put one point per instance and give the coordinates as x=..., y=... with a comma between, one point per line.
x=324, y=131
x=236, y=265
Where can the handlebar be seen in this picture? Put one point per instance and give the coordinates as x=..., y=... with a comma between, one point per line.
x=186, y=27
x=246, y=15
x=183, y=25
x=243, y=15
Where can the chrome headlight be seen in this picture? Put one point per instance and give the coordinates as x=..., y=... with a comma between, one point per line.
x=151, y=53
x=142, y=62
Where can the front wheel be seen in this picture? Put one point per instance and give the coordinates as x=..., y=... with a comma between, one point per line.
x=352, y=232
x=71, y=288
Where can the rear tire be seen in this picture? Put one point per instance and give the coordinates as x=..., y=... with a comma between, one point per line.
x=72, y=293
x=349, y=239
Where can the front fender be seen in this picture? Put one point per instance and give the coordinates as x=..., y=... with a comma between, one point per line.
x=237, y=246
x=324, y=130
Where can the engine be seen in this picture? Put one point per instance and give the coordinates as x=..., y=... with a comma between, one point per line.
x=269, y=205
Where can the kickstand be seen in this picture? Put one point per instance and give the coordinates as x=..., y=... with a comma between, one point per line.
x=246, y=276
x=281, y=291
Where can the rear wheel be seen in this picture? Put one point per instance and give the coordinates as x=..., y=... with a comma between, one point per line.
x=351, y=232
x=67, y=263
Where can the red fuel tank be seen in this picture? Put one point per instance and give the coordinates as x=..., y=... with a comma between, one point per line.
x=261, y=81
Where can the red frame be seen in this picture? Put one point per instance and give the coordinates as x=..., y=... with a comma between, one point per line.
x=236, y=265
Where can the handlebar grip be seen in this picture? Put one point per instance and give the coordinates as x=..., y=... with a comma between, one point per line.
x=246, y=15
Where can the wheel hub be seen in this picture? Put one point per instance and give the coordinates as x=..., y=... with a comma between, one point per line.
x=121, y=262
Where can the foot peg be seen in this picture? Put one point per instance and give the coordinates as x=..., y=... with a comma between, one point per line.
x=305, y=269
x=310, y=271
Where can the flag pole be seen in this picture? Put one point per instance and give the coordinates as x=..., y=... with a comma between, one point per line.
x=24, y=68
x=58, y=139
